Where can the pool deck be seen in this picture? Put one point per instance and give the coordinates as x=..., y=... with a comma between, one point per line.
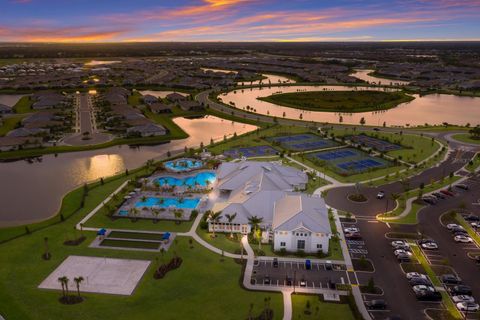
x=183, y=169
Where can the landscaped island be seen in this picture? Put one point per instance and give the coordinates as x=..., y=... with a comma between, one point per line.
x=340, y=101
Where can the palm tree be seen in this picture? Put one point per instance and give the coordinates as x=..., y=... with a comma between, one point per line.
x=134, y=212
x=230, y=218
x=62, y=282
x=214, y=218
x=178, y=215
x=155, y=213
x=47, y=251
x=78, y=280
x=255, y=222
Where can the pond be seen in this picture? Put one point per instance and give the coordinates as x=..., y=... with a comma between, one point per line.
x=45, y=183
x=10, y=99
x=365, y=76
x=431, y=109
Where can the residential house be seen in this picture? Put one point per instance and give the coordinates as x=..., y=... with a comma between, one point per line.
x=175, y=97
x=148, y=99
x=147, y=130
x=190, y=106
x=4, y=109
x=160, y=108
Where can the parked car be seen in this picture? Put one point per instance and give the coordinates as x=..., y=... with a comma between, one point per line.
x=423, y=288
x=420, y=281
x=429, y=296
x=403, y=258
x=468, y=306
x=351, y=230
x=463, y=298
x=353, y=235
x=303, y=283
x=460, y=233
x=429, y=246
x=462, y=239
x=475, y=224
x=451, y=226
x=439, y=195
x=308, y=264
x=460, y=290
x=376, y=304
x=275, y=263
x=411, y=275
x=471, y=218
x=289, y=281
x=380, y=195
x=447, y=192
x=457, y=229
x=266, y=280
x=429, y=200
x=401, y=251
x=462, y=186
x=395, y=244
x=450, y=279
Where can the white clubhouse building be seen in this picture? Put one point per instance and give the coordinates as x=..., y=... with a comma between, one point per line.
x=292, y=220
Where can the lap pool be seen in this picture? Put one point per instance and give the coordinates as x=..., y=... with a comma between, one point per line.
x=201, y=179
x=187, y=203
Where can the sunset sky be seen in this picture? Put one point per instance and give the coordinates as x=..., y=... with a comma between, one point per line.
x=238, y=20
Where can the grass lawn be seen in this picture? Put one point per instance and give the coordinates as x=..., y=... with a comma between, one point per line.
x=339, y=101
x=222, y=240
x=319, y=309
x=135, y=98
x=465, y=137
x=166, y=121
x=135, y=235
x=130, y=244
x=8, y=124
x=475, y=164
x=415, y=147
x=24, y=105
x=201, y=279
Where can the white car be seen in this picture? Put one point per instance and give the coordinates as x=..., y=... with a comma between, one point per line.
x=380, y=195
x=451, y=226
x=475, y=225
x=429, y=245
x=468, y=306
x=423, y=288
x=463, y=298
x=401, y=251
x=351, y=230
x=462, y=239
x=411, y=275
x=399, y=243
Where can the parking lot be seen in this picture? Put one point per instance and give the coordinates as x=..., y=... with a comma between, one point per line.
x=288, y=273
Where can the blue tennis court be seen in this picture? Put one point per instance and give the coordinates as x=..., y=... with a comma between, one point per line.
x=256, y=151
x=377, y=144
x=303, y=142
x=348, y=161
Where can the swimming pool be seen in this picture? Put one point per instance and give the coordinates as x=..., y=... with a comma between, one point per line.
x=187, y=203
x=183, y=164
x=201, y=179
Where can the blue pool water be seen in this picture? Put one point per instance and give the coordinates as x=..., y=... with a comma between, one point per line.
x=200, y=179
x=183, y=164
x=168, y=202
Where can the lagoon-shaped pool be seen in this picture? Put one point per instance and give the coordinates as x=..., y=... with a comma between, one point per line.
x=184, y=203
x=202, y=179
x=183, y=165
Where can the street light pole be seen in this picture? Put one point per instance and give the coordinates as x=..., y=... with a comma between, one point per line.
x=294, y=279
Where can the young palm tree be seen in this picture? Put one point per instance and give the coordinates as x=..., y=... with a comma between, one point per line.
x=47, y=251
x=78, y=280
x=255, y=222
x=230, y=218
x=214, y=218
x=178, y=215
x=62, y=283
x=155, y=213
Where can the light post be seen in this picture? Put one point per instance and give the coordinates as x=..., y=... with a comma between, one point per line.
x=294, y=279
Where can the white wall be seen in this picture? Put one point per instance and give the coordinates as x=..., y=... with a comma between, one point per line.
x=290, y=239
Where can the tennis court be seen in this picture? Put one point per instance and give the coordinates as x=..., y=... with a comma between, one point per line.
x=303, y=142
x=256, y=151
x=374, y=143
x=348, y=161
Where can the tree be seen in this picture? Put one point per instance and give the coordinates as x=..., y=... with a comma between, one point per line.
x=362, y=121
x=46, y=255
x=155, y=213
x=178, y=215
x=78, y=280
x=475, y=132
x=64, y=282
x=230, y=218
x=255, y=222
x=215, y=218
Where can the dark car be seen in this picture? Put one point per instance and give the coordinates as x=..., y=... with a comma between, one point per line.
x=289, y=281
x=462, y=186
x=266, y=280
x=308, y=264
x=471, y=218
x=447, y=192
x=450, y=279
x=460, y=233
x=477, y=259
x=457, y=229
x=429, y=296
x=403, y=257
x=429, y=200
x=459, y=290
x=275, y=262
x=418, y=281
x=439, y=195
x=353, y=235
x=376, y=304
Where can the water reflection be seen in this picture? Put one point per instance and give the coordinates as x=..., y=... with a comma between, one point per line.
x=43, y=184
x=431, y=109
x=364, y=75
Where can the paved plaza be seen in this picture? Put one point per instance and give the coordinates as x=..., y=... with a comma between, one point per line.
x=102, y=275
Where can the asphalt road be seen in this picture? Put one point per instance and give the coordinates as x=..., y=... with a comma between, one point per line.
x=85, y=115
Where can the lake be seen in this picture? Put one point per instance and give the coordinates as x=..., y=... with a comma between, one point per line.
x=44, y=184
